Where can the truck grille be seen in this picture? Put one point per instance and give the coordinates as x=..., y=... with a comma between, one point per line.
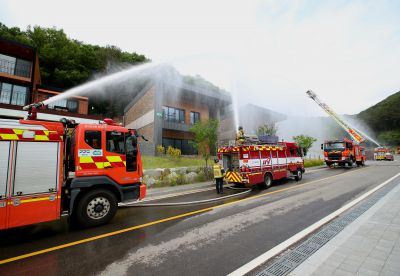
x=335, y=156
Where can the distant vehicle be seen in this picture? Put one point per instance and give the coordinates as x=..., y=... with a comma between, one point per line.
x=260, y=163
x=343, y=152
x=383, y=153
x=389, y=156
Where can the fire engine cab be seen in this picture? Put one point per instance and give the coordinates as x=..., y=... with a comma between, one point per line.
x=260, y=163
x=48, y=169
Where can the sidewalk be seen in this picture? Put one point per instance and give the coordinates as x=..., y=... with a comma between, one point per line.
x=368, y=246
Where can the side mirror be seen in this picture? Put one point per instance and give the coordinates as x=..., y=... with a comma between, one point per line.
x=322, y=146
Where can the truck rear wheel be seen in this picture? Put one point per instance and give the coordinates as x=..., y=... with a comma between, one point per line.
x=267, y=182
x=96, y=207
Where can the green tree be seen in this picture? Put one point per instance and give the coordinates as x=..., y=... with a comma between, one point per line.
x=267, y=129
x=305, y=142
x=205, y=138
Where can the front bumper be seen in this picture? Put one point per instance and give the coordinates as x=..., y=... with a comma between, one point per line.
x=337, y=160
x=133, y=192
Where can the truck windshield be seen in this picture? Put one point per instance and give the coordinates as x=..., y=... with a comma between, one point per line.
x=334, y=146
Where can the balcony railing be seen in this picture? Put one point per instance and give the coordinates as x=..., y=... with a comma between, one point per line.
x=10, y=67
x=175, y=125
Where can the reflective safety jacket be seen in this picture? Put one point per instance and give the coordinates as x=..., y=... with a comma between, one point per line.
x=240, y=137
x=218, y=171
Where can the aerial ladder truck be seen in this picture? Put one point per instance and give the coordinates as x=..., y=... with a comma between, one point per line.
x=343, y=151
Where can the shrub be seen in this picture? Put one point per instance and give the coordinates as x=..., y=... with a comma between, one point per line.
x=173, y=152
x=160, y=150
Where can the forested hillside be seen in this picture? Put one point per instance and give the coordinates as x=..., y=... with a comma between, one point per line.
x=384, y=119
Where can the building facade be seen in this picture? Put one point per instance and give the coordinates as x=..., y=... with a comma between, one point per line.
x=164, y=113
x=20, y=85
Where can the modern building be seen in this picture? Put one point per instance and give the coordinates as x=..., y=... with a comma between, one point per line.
x=164, y=112
x=20, y=84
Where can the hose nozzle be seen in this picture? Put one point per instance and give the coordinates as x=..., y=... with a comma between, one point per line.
x=32, y=110
x=36, y=105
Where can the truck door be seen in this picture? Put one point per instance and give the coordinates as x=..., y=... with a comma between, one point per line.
x=33, y=195
x=4, y=177
x=122, y=156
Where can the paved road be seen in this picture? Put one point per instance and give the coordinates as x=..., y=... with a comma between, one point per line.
x=204, y=239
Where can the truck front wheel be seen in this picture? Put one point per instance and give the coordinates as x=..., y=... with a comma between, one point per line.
x=267, y=182
x=96, y=207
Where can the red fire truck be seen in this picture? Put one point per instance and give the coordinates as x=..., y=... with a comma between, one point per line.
x=48, y=169
x=261, y=163
x=343, y=152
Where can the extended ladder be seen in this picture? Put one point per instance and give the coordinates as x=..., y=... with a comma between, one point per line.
x=352, y=132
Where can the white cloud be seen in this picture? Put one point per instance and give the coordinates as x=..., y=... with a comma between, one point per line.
x=269, y=52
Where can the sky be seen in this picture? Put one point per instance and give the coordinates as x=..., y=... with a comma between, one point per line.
x=268, y=53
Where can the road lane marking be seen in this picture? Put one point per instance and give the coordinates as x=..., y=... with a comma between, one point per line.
x=297, y=237
x=117, y=232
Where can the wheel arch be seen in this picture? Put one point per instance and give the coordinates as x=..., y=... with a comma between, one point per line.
x=270, y=173
x=80, y=186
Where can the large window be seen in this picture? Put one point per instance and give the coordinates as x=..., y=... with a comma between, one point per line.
x=194, y=117
x=184, y=145
x=19, y=95
x=7, y=64
x=13, y=94
x=5, y=93
x=15, y=66
x=172, y=114
x=70, y=105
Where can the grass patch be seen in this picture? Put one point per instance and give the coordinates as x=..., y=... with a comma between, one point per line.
x=153, y=162
x=313, y=162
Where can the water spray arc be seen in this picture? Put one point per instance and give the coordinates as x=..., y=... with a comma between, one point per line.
x=117, y=77
x=355, y=134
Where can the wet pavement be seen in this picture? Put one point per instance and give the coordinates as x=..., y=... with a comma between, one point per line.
x=172, y=240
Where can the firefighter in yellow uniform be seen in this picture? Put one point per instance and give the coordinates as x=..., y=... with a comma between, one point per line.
x=219, y=175
x=240, y=136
